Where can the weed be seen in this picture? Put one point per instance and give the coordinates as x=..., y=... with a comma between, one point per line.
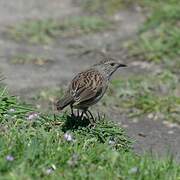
x=105, y=7
x=36, y=145
x=47, y=30
x=29, y=59
x=149, y=94
x=159, y=37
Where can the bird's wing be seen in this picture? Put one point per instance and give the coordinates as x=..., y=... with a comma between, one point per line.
x=86, y=85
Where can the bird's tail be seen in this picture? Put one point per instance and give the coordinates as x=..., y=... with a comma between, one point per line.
x=62, y=103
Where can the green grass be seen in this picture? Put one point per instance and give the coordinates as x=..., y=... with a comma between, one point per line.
x=159, y=37
x=142, y=95
x=36, y=141
x=34, y=145
x=30, y=59
x=47, y=30
x=38, y=148
x=158, y=41
x=104, y=7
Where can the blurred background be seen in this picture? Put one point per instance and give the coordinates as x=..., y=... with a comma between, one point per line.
x=44, y=43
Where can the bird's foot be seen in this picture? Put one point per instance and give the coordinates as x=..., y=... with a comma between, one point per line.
x=100, y=117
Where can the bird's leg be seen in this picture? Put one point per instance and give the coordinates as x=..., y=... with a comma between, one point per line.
x=72, y=112
x=92, y=117
x=99, y=117
x=82, y=114
x=77, y=112
x=87, y=116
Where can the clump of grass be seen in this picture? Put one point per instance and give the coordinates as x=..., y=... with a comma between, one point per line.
x=11, y=108
x=104, y=7
x=47, y=30
x=35, y=145
x=35, y=141
x=29, y=59
x=158, y=39
x=9, y=103
x=150, y=94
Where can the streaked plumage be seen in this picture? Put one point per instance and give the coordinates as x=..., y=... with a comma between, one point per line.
x=89, y=86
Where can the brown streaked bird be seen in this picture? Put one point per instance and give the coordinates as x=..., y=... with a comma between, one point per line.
x=89, y=86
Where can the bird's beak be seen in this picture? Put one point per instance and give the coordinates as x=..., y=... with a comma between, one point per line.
x=122, y=65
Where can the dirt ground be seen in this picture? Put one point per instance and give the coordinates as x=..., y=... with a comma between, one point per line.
x=26, y=80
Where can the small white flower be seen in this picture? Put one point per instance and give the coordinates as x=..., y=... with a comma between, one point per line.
x=49, y=171
x=32, y=116
x=6, y=115
x=11, y=110
x=9, y=158
x=133, y=170
x=111, y=142
x=68, y=137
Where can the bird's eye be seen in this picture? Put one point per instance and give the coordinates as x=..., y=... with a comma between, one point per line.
x=112, y=64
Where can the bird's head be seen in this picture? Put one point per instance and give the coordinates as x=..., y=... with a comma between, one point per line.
x=109, y=66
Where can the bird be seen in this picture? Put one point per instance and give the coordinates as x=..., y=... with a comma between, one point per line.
x=89, y=86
